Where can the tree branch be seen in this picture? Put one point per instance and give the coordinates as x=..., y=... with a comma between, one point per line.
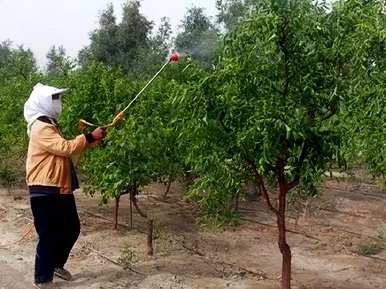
x=300, y=161
x=260, y=181
x=135, y=203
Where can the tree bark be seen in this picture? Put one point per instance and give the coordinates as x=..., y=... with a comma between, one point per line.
x=131, y=213
x=237, y=202
x=284, y=187
x=283, y=245
x=259, y=181
x=286, y=253
x=168, y=185
x=150, y=229
x=116, y=209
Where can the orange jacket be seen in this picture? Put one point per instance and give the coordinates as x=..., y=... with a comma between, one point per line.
x=49, y=157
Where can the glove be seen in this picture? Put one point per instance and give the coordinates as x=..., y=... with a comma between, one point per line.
x=98, y=134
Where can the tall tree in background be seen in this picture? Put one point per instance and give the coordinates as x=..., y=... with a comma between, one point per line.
x=133, y=34
x=150, y=57
x=58, y=63
x=118, y=44
x=161, y=42
x=103, y=46
x=231, y=12
x=199, y=36
x=16, y=62
x=5, y=52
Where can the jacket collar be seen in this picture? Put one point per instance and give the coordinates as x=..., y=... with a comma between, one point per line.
x=49, y=120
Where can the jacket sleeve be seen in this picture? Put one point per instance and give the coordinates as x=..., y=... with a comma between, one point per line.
x=47, y=137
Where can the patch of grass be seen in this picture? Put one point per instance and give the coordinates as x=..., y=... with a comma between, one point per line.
x=219, y=221
x=380, y=183
x=370, y=249
x=381, y=236
x=128, y=257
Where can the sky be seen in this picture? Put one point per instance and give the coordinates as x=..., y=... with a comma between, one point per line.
x=39, y=24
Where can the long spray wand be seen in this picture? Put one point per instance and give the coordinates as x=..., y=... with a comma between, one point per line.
x=83, y=124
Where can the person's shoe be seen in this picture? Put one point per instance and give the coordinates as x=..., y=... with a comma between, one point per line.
x=63, y=274
x=46, y=285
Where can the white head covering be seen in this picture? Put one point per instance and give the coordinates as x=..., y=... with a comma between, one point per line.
x=40, y=103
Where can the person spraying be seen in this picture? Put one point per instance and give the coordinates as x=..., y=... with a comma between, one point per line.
x=51, y=177
x=51, y=180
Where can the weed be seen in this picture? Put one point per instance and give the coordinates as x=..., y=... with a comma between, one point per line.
x=381, y=236
x=370, y=249
x=128, y=256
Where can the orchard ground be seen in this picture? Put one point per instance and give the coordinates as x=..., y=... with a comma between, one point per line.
x=328, y=237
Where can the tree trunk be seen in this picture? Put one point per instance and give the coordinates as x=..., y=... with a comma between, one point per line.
x=286, y=253
x=131, y=212
x=116, y=212
x=168, y=185
x=284, y=248
x=150, y=230
x=237, y=201
x=284, y=187
x=150, y=248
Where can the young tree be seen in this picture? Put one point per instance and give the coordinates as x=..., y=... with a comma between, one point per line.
x=364, y=24
x=14, y=89
x=17, y=75
x=270, y=107
x=138, y=151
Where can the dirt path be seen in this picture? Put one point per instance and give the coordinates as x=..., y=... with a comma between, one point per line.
x=325, y=237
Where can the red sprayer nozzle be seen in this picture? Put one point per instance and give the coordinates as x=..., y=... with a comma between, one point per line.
x=174, y=57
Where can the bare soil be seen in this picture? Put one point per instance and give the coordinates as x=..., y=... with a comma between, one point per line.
x=326, y=235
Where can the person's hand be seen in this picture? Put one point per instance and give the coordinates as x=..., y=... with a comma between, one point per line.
x=99, y=134
x=118, y=118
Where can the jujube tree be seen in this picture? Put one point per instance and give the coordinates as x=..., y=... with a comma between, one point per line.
x=270, y=107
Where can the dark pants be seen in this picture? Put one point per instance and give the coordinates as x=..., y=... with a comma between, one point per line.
x=57, y=224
